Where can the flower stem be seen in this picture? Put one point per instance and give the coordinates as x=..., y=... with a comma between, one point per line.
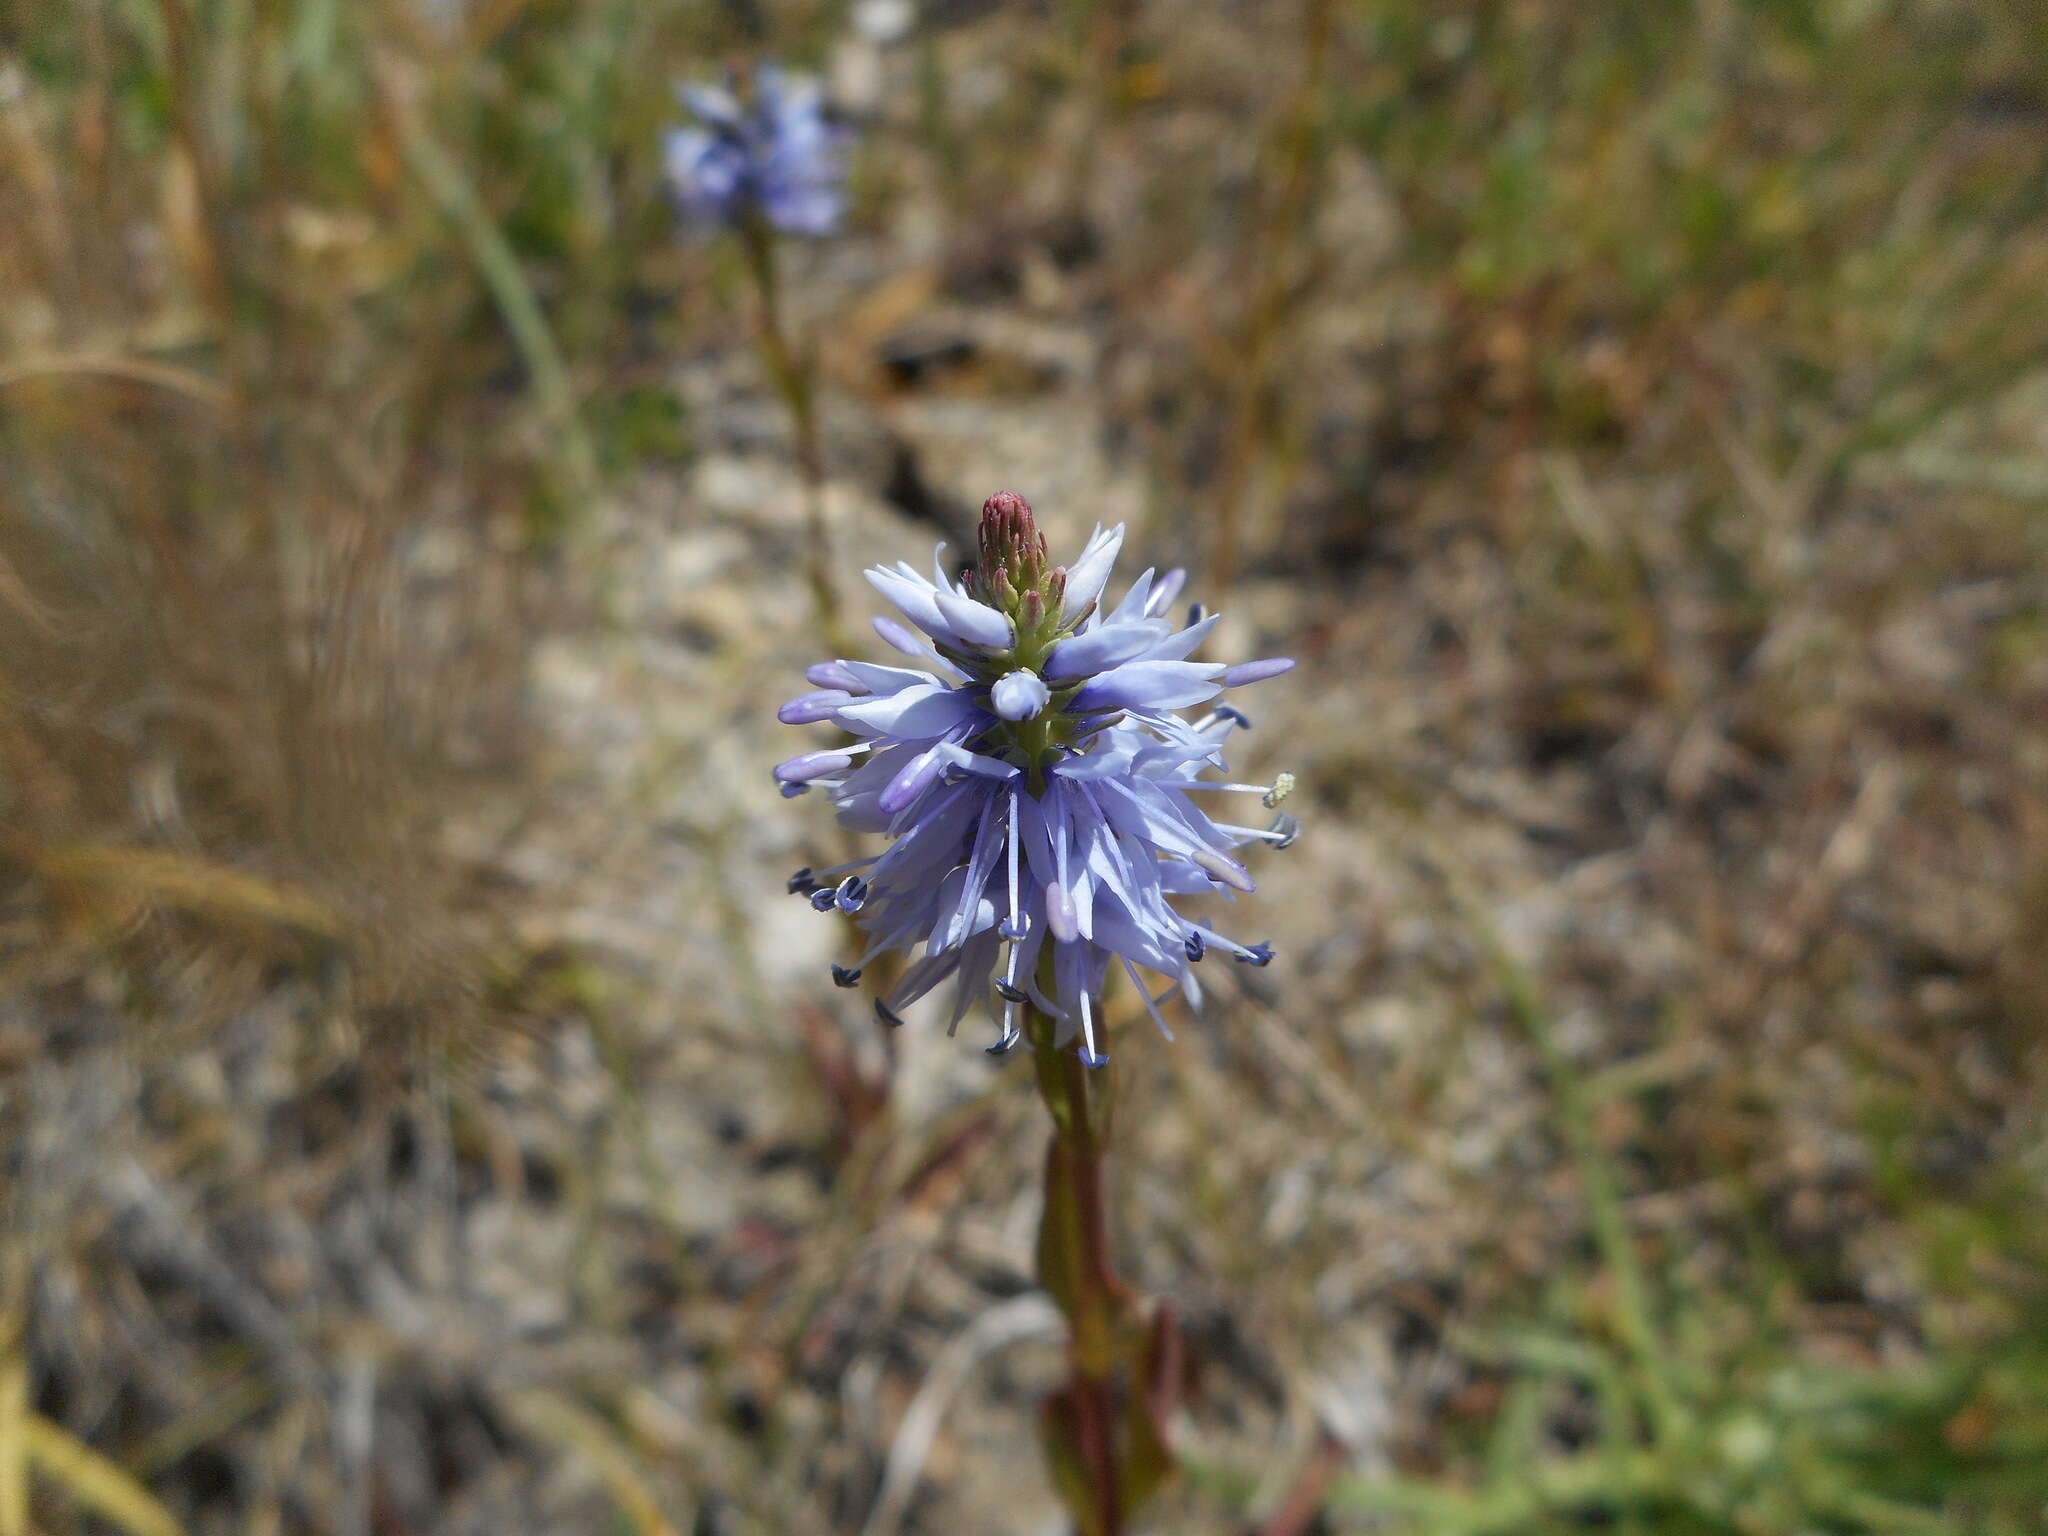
x=790, y=371
x=1082, y=1419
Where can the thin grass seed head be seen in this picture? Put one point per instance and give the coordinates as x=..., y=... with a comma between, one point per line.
x=761, y=146
x=1036, y=781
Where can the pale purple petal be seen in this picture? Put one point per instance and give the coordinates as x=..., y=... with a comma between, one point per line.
x=1178, y=647
x=1257, y=671
x=1223, y=868
x=914, y=596
x=1133, y=605
x=1087, y=575
x=913, y=780
x=1099, y=649
x=1165, y=592
x=811, y=765
x=810, y=708
x=898, y=637
x=870, y=678
x=1059, y=913
x=976, y=622
x=1150, y=685
x=928, y=710
x=833, y=674
x=1019, y=695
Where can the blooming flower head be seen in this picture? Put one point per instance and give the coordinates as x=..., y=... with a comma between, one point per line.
x=1037, y=782
x=766, y=150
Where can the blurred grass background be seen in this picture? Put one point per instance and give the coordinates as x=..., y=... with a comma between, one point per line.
x=421, y=1111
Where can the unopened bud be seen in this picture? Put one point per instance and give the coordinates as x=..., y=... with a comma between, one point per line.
x=1011, y=546
x=1007, y=505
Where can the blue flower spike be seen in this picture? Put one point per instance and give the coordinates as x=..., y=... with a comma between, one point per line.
x=763, y=147
x=1036, y=781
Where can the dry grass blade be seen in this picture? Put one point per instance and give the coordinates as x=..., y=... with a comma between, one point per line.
x=1028, y=1316
x=188, y=884
x=574, y=1429
x=134, y=370
x=96, y=1482
x=14, y=1446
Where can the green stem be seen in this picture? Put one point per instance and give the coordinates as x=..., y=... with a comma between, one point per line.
x=790, y=372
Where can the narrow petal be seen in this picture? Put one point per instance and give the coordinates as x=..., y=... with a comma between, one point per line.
x=810, y=708
x=1134, y=601
x=897, y=636
x=929, y=710
x=811, y=765
x=915, y=597
x=1087, y=575
x=710, y=103
x=869, y=678
x=1226, y=870
x=1150, y=685
x=913, y=780
x=976, y=622
x=1165, y=592
x=1257, y=671
x=834, y=674
x=1097, y=650
x=1178, y=647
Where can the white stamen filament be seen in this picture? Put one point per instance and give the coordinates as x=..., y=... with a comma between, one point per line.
x=1211, y=937
x=1266, y=834
x=1240, y=789
x=1151, y=1002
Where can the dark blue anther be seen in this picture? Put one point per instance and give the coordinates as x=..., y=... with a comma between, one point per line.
x=1196, y=613
x=842, y=977
x=1091, y=1058
x=852, y=892
x=1008, y=992
x=1004, y=1046
x=1288, y=828
x=888, y=1015
x=1236, y=717
x=791, y=791
x=822, y=899
x=801, y=883
x=1194, y=946
x=1260, y=953
x=1014, y=927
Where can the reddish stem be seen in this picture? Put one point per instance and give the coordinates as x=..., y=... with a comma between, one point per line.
x=1075, y=1260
